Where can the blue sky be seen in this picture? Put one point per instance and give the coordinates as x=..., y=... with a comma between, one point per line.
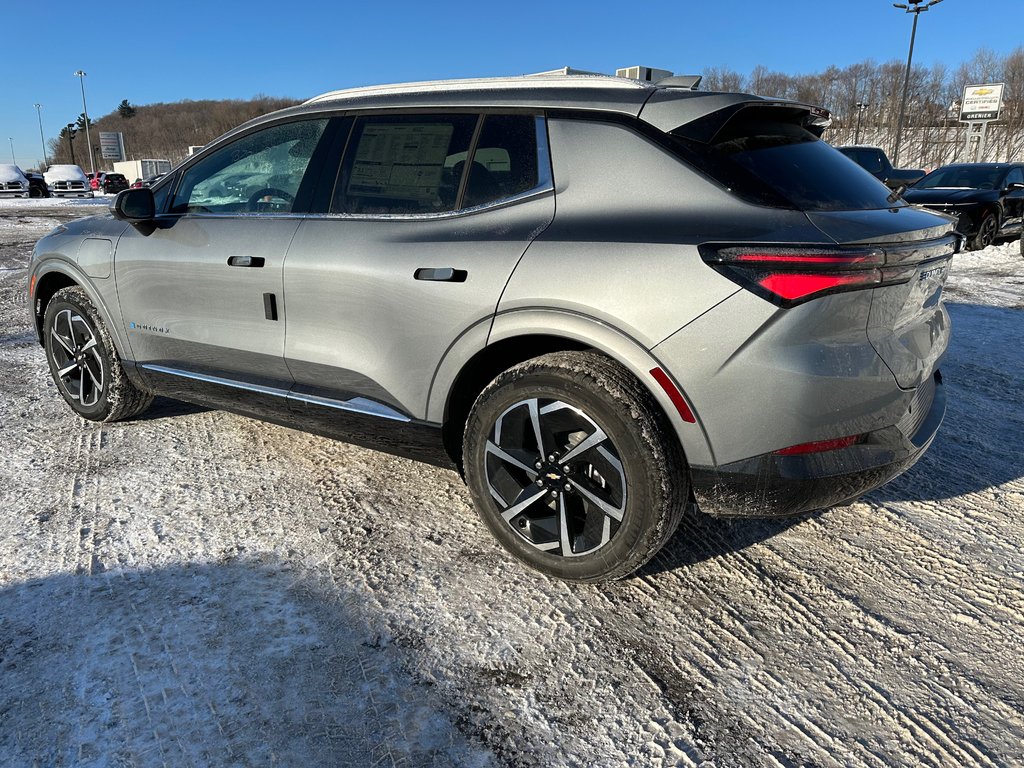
x=168, y=51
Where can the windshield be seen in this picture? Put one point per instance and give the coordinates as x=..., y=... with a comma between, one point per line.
x=972, y=176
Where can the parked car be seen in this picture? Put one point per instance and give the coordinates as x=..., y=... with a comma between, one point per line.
x=987, y=199
x=67, y=181
x=720, y=306
x=876, y=162
x=13, y=182
x=37, y=184
x=149, y=181
x=113, y=183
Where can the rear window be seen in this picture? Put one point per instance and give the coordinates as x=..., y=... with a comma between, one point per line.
x=767, y=156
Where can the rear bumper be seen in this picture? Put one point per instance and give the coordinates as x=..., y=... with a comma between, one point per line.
x=773, y=486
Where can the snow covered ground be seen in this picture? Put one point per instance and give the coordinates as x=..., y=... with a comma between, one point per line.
x=198, y=589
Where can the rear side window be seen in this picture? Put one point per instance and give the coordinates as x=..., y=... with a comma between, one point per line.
x=767, y=156
x=416, y=164
x=403, y=164
x=505, y=161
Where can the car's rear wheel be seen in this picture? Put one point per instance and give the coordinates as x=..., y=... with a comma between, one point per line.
x=573, y=467
x=83, y=360
x=986, y=234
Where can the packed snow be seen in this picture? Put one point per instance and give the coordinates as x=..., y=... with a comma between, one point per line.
x=197, y=588
x=64, y=173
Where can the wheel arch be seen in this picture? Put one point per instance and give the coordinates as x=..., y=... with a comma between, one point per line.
x=54, y=276
x=473, y=361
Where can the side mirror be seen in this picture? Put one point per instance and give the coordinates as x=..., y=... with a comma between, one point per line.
x=134, y=205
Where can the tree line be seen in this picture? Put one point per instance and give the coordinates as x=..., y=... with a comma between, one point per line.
x=932, y=134
x=162, y=130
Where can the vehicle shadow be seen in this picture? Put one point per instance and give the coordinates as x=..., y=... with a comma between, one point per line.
x=701, y=537
x=168, y=408
x=239, y=663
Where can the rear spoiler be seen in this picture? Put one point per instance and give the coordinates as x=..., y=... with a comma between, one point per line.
x=701, y=116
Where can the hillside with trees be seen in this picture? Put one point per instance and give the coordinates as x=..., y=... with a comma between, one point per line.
x=162, y=130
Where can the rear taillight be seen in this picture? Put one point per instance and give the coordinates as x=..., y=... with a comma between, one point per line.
x=791, y=276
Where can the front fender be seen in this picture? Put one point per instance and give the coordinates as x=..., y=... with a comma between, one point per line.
x=57, y=264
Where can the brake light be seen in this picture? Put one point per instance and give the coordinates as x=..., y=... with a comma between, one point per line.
x=791, y=276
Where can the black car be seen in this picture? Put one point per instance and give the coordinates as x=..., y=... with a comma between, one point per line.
x=876, y=162
x=37, y=185
x=986, y=198
x=114, y=182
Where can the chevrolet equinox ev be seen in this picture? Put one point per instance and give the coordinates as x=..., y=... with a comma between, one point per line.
x=598, y=298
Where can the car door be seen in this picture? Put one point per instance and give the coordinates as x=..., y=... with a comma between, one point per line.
x=429, y=216
x=1013, y=202
x=201, y=294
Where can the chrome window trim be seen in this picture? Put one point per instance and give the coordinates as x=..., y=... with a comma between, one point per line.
x=360, y=405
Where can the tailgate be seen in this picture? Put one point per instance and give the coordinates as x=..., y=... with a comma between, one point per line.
x=908, y=325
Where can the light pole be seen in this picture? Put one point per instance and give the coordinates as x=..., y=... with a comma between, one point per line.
x=861, y=106
x=70, y=130
x=917, y=9
x=11, y=139
x=42, y=141
x=85, y=111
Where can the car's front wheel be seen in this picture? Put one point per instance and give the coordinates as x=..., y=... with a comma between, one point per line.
x=83, y=360
x=986, y=234
x=573, y=467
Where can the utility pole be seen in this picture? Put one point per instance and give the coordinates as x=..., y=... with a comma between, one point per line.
x=917, y=9
x=861, y=106
x=42, y=141
x=70, y=130
x=85, y=111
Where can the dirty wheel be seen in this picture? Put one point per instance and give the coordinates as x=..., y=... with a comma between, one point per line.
x=573, y=467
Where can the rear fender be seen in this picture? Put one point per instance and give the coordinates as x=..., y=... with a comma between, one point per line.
x=579, y=329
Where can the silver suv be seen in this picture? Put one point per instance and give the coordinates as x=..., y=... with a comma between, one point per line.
x=598, y=298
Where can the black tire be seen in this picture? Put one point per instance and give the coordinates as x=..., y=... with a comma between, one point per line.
x=83, y=360
x=636, y=472
x=986, y=234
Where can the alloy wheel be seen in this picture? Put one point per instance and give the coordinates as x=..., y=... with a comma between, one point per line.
x=75, y=351
x=556, y=477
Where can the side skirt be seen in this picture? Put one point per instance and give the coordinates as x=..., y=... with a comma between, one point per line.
x=355, y=420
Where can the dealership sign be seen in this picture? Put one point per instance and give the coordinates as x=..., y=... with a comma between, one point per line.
x=981, y=103
x=112, y=145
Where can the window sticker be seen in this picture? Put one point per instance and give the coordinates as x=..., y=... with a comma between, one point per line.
x=403, y=161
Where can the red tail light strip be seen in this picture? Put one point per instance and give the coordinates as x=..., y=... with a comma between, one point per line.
x=787, y=275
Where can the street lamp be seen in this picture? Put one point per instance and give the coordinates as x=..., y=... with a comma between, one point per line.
x=42, y=141
x=70, y=130
x=85, y=111
x=11, y=139
x=917, y=9
x=861, y=106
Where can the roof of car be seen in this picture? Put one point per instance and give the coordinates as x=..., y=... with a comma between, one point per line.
x=665, y=104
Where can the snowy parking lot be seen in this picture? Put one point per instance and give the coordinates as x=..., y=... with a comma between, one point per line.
x=194, y=588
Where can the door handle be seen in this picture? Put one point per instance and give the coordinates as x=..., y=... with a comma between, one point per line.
x=246, y=261
x=441, y=274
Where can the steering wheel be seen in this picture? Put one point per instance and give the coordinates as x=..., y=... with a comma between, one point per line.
x=255, y=199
